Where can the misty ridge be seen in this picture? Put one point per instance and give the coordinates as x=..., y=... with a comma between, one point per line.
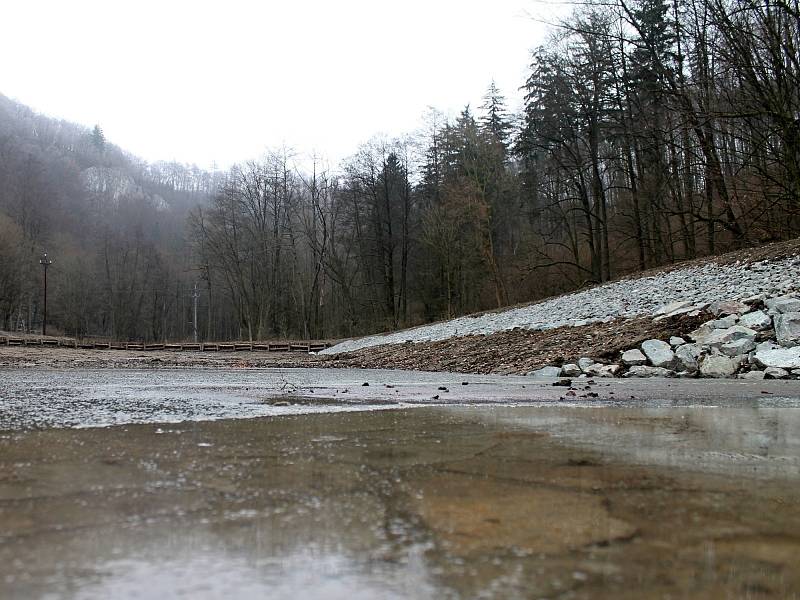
x=651, y=132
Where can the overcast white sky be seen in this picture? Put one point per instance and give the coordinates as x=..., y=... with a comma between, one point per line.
x=201, y=81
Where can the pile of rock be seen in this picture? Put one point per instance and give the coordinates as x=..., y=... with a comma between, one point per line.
x=758, y=338
x=685, y=289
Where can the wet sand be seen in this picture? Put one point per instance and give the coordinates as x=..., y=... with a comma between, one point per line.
x=458, y=501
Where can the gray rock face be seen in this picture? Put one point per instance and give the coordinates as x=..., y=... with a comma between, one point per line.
x=571, y=370
x=671, y=307
x=685, y=308
x=634, y=357
x=757, y=320
x=688, y=356
x=676, y=341
x=775, y=373
x=738, y=347
x=700, y=334
x=645, y=371
x=601, y=370
x=720, y=337
x=751, y=375
x=584, y=363
x=659, y=353
x=787, y=329
x=783, y=304
x=770, y=355
x=608, y=370
x=545, y=373
x=725, y=322
x=727, y=307
x=717, y=365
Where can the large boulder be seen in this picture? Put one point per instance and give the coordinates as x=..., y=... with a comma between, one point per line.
x=659, y=353
x=645, y=371
x=768, y=354
x=584, y=363
x=634, y=357
x=775, y=373
x=751, y=375
x=700, y=334
x=688, y=356
x=724, y=322
x=757, y=320
x=717, y=365
x=609, y=370
x=676, y=341
x=783, y=304
x=738, y=347
x=545, y=373
x=787, y=329
x=667, y=309
x=673, y=309
x=727, y=307
x=601, y=370
x=720, y=337
x=571, y=370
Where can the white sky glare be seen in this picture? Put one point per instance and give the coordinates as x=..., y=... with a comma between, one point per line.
x=204, y=81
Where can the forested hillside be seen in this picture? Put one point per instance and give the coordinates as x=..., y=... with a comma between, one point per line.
x=113, y=226
x=651, y=132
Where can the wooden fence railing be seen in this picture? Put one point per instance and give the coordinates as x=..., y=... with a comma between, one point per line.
x=176, y=347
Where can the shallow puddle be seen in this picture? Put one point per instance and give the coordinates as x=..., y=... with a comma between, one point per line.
x=430, y=502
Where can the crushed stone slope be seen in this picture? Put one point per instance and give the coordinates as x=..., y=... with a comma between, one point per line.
x=624, y=299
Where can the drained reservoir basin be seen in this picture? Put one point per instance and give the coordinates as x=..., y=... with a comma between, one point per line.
x=306, y=483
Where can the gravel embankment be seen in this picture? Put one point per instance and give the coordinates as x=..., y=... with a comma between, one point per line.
x=624, y=299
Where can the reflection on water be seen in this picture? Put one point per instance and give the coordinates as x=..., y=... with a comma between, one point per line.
x=762, y=442
x=470, y=502
x=308, y=573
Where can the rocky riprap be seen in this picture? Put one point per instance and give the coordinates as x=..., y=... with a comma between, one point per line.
x=680, y=289
x=754, y=338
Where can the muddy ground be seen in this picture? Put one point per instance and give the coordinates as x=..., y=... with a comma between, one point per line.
x=76, y=358
x=519, y=351
x=462, y=502
x=55, y=398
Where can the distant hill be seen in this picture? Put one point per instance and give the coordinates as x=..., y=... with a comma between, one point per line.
x=112, y=223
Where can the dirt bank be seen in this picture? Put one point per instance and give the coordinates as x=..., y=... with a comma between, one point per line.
x=519, y=350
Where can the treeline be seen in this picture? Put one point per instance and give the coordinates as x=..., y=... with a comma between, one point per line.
x=657, y=131
x=651, y=132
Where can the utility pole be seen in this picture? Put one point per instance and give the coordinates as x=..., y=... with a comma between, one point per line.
x=195, y=296
x=45, y=262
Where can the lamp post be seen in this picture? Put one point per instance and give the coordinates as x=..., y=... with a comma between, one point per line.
x=45, y=262
x=195, y=296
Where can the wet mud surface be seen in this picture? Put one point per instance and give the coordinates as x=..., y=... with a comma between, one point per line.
x=690, y=492
x=44, y=398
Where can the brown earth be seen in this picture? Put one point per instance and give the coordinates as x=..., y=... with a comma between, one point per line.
x=519, y=350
